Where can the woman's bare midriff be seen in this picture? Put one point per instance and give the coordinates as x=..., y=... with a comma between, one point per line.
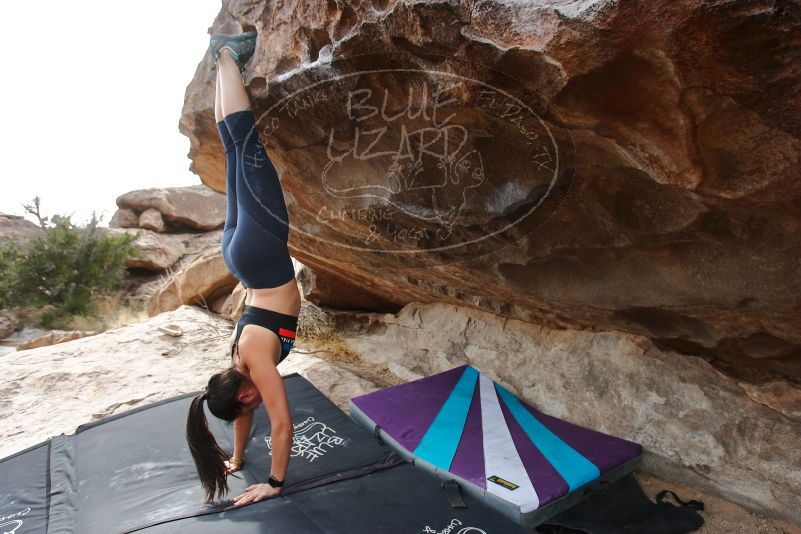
x=284, y=298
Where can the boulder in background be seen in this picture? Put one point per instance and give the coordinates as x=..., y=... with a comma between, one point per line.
x=334, y=292
x=54, y=337
x=124, y=218
x=16, y=228
x=7, y=325
x=156, y=251
x=199, y=283
x=151, y=219
x=195, y=206
x=234, y=304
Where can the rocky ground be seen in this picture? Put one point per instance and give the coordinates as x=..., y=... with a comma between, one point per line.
x=95, y=377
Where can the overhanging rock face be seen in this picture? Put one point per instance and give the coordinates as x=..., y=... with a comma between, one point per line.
x=629, y=165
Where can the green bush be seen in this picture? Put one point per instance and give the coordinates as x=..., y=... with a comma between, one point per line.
x=64, y=268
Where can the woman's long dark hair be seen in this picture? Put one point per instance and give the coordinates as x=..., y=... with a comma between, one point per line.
x=209, y=457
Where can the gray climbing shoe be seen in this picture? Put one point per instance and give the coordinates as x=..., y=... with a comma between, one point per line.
x=240, y=45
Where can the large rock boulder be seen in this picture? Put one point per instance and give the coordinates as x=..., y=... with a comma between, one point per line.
x=331, y=291
x=124, y=218
x=8, y=325
x=232, y=306
x=151, y=219
x=156, y=251
x=194, y=206
x=54, y=337
x=608, y=165
x=624, y=166
x=16, y=228
x=199, y=283
x=149, y=271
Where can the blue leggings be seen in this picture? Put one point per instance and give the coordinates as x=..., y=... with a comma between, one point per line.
x=254, y=240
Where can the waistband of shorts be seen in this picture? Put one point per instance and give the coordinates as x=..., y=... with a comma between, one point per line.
x=284, y=318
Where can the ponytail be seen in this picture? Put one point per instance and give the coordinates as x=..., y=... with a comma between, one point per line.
x=209, y=457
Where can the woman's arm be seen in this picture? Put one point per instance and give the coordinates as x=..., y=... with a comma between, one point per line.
x=241, y=424
x=273, y=394
x=241, y=434
x=281, y=437
x=268, y=381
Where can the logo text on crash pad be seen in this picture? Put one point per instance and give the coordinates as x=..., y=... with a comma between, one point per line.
x=454, y=527
x=311, y=439
x=503, y=482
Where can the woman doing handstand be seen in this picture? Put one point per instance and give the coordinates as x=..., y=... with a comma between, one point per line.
x=254, y=248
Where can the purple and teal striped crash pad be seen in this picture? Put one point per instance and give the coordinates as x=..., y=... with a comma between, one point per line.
x=463, y=426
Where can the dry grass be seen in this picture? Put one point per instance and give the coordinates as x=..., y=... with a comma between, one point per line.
x=313, y=323
x=316, y=331
x=111, y=313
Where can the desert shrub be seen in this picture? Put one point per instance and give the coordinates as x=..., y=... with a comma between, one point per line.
x=64, y=268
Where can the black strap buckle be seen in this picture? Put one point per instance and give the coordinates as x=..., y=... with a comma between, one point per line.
x=601, y=488
x=376, y=434
x=691, y=504
x=454, y=494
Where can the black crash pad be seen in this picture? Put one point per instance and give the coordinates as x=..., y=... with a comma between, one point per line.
x=134, y=469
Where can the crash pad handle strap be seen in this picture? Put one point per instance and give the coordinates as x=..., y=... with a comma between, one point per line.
x=692, y=504
x=376, y=435
x=454, y=494
x=601, y=488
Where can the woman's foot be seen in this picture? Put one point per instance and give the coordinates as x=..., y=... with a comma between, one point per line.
x=240, y=46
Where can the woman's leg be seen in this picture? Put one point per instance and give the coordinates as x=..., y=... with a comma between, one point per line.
x=234, y=95
x=230, y=175
x=218, y=112
x=260, y=241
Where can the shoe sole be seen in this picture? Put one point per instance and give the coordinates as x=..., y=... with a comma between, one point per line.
x=233, y=37
x=216, y=39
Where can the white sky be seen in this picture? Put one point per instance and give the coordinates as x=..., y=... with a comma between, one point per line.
x=92, y=94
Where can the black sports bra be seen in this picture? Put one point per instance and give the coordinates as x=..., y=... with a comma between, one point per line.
x=282, y=324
